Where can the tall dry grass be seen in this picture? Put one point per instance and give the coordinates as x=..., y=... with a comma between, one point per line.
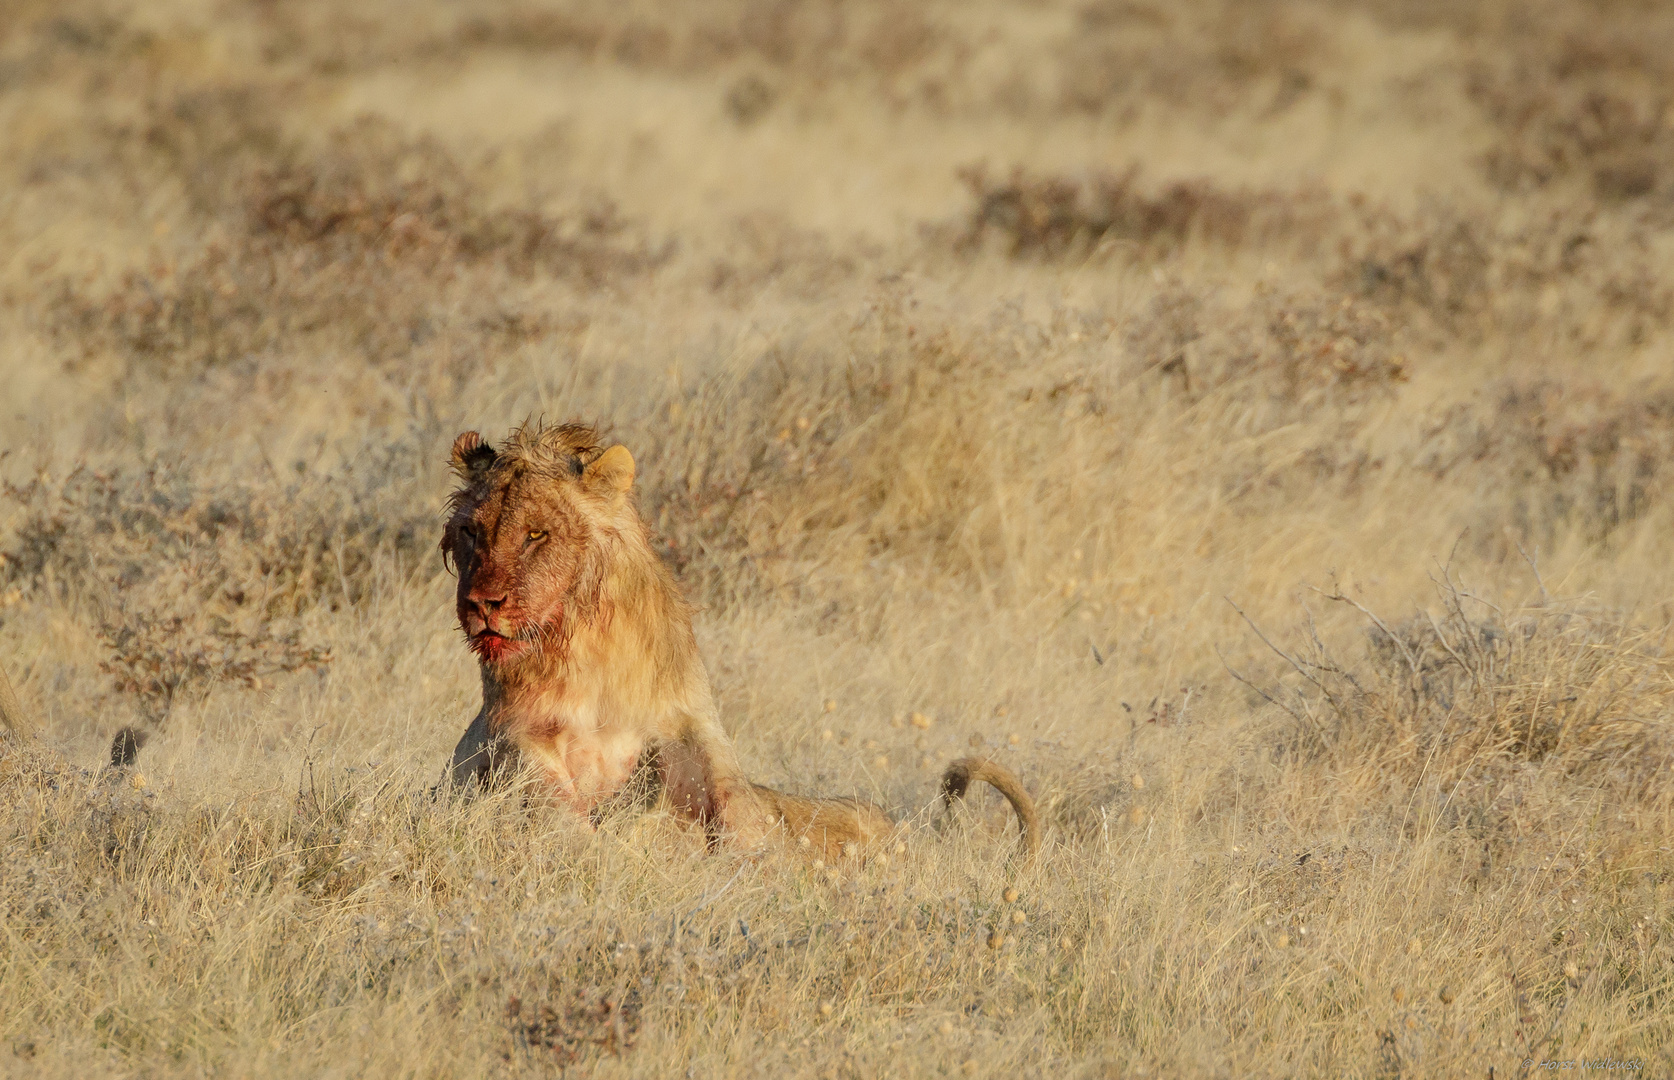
x=1251, y=422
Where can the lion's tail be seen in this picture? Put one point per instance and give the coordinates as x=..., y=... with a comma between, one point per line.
x=12, y=716
x=961, y=773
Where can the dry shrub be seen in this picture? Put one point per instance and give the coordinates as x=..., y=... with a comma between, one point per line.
x=1054, y=217
x=155, y=659
x=766, y=249
x=275, y=551
x=1124, y=56
x=1467, y=275
x=1455, y=697
x=379, y=243
x=901, y=52
x=372, y=194
x=580, y=1026
x=1561, y=459
x=1297, y=351
x=192, y=583
x=1580, y=95
x=892, y=442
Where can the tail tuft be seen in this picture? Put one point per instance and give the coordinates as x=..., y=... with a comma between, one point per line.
x=126, y=746
x=963, y=772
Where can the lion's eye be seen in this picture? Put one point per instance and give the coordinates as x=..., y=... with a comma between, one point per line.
x=536, y=534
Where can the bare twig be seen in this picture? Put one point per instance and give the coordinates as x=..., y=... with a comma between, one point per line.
x=1545, y=597
x=1269, y=698
x=1445, y=644
x=1406, y=654
x=1336, y=706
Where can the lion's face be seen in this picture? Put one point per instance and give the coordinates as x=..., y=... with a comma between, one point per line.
x=529, y=534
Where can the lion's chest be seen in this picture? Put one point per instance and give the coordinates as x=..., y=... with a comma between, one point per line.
x=586, y=756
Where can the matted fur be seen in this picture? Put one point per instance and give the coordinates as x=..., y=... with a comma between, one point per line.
x=590, y=669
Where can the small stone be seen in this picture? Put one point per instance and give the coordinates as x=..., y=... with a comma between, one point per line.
x=1446, y=995
x=1010, y=895
x=922, y=722
x=826, y=1008
x=1018, y=917
x=830, y=705
x=880, y=762
x=996, y=939
x=1138, y=782
x=1014, y=738
x=827, y=735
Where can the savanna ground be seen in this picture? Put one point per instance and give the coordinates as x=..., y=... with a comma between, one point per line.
x=1252, y=421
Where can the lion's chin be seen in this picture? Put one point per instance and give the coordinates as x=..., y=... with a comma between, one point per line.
x=494, y=648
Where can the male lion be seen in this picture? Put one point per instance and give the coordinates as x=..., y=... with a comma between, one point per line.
x=590, y=670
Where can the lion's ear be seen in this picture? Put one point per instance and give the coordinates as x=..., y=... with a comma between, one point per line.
x=613, y=470
x=471, y=456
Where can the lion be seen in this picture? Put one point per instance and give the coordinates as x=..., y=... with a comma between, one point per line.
x=590, y=670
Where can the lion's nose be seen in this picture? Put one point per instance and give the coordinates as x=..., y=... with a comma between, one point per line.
x=485, y=606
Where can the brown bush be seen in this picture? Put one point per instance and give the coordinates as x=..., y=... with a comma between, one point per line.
x=1581, y=97
x=375, y=240
x=1124, y=56
x=191, y=584
x=1451, y=697
x=1466, y=274
x=1563, y=459
x=1055, y=217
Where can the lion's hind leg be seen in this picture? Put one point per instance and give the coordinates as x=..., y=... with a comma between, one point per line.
x=831, y=828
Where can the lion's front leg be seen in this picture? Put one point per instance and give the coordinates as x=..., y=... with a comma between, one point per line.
x=698, y=786
x=481, y=756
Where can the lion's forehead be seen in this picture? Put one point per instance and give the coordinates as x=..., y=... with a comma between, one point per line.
x=527, y=500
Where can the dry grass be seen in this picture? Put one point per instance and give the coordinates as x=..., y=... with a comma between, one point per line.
x=1249, y=421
